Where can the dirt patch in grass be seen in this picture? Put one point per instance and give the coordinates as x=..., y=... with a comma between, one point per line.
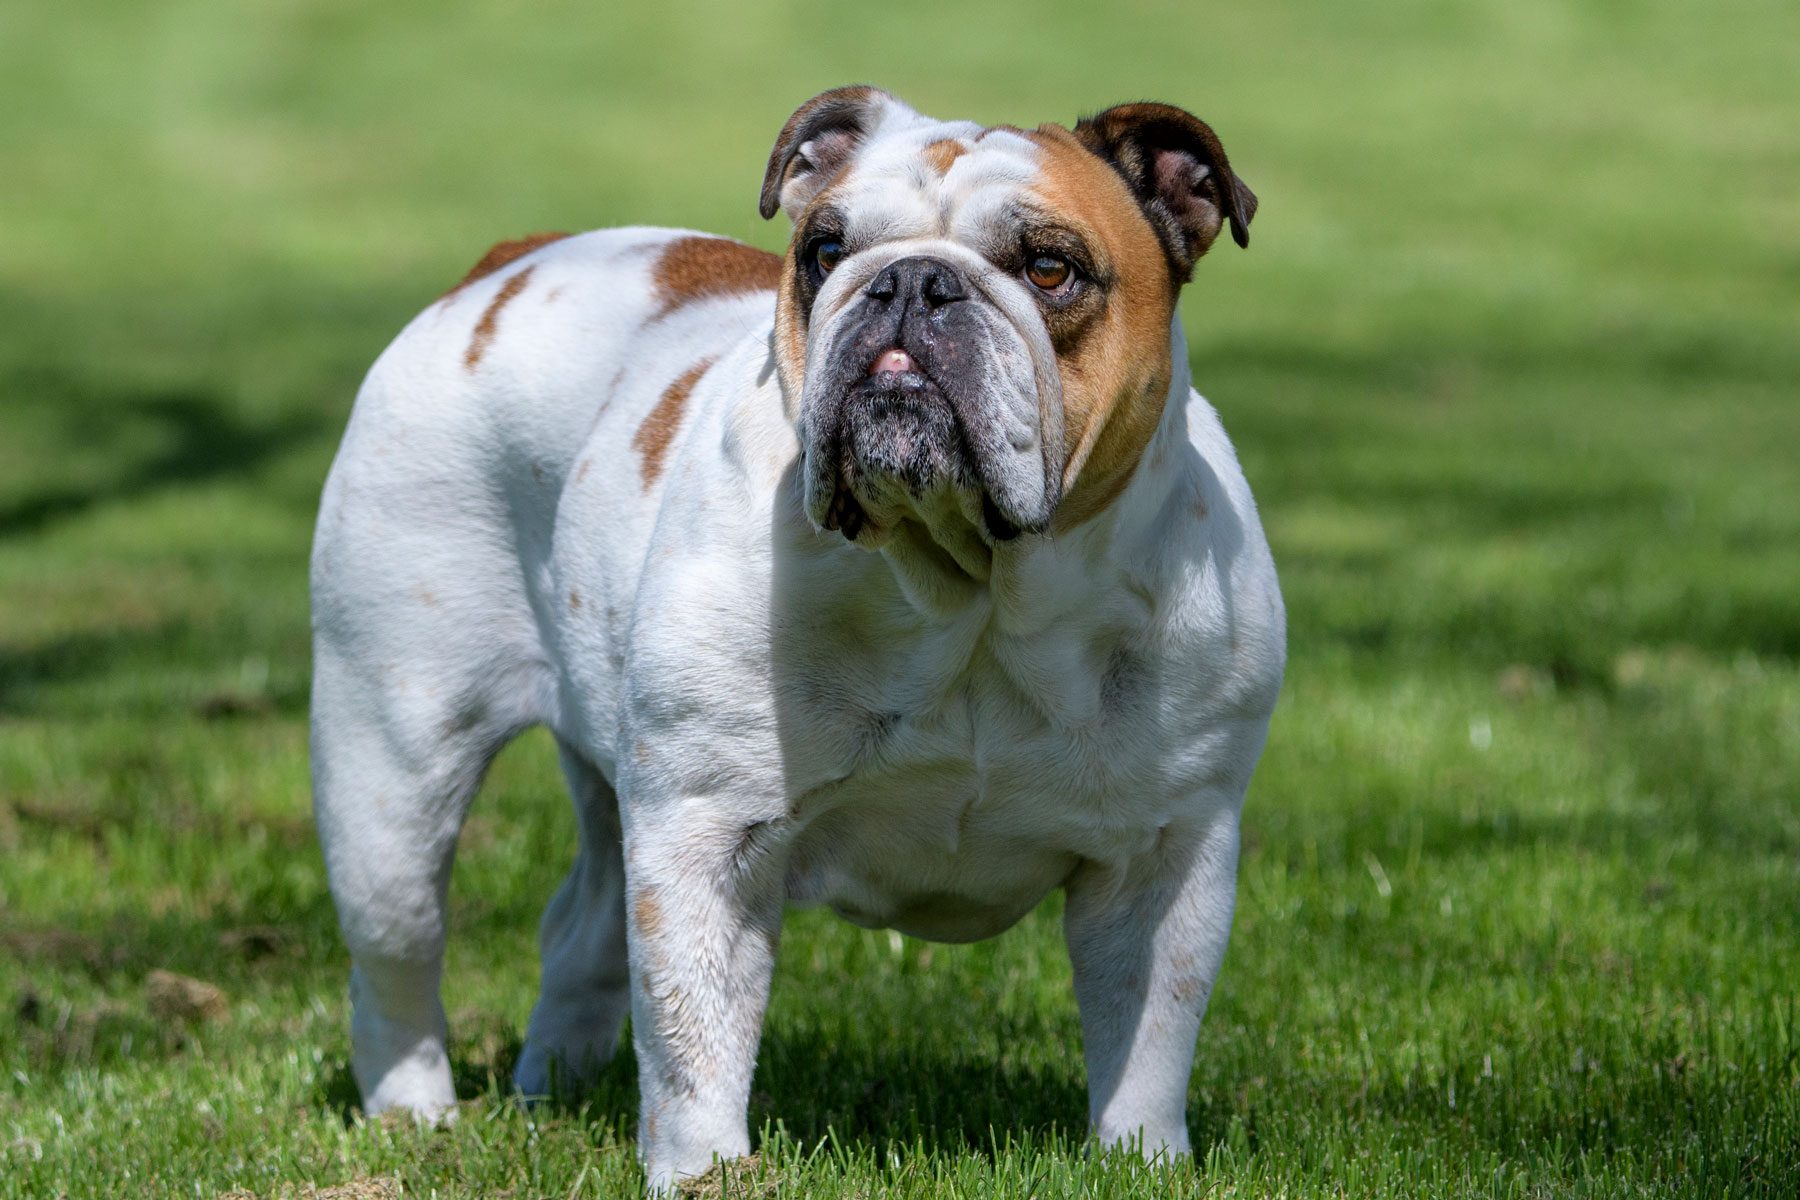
x=356, y=1189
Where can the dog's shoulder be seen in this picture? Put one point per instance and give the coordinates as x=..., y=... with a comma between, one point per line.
x=1222, y=629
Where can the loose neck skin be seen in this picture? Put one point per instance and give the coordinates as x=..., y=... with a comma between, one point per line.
x=944, y=568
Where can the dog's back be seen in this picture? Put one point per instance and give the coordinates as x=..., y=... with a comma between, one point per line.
x=437, y=519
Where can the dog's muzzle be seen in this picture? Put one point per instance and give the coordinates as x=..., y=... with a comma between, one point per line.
x=908, y=410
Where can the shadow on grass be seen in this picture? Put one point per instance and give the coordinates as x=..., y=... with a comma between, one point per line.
x=903, y=1091
x=78, y=655
x=123, y=447
x=199, y=436
x=1594, y=1094
x=235, y=944
x=904, y=1086
x=483, y=1053
x=30, y=674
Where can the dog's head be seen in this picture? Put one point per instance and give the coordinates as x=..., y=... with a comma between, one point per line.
x=976, y=320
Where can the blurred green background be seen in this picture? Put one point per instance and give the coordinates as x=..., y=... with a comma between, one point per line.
x=1511, y=363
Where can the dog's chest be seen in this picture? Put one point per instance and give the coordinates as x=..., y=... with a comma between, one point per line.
x=962, y=773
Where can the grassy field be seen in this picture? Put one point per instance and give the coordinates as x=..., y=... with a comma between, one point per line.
x=1512, y=364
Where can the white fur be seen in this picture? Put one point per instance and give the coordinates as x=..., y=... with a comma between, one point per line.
x=753, y=713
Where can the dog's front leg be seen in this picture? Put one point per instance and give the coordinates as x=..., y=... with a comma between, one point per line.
x=1146, y=943
x=705, y=900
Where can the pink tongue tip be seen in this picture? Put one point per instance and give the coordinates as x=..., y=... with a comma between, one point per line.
x=893, y=362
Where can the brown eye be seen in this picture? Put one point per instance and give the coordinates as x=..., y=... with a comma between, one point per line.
x=827, y=254
x=1048, y=272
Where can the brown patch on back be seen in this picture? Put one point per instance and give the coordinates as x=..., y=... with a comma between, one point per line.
x=652, y=438
x=1117, y=373
x=490, y=318
x=941, y=154
x=501, y=253
x=699, y=268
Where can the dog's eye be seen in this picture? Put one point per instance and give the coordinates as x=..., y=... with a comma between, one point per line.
x=826, y=255
x=1048, y=273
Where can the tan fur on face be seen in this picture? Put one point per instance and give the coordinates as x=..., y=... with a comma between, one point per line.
x=698, y=268
x=790, y=336
x=1116, y=373
x=790, y=320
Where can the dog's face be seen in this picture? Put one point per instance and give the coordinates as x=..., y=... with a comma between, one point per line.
x=977, y=321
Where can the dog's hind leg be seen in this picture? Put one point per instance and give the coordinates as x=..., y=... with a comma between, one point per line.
x=586, y=988
x=394, y=769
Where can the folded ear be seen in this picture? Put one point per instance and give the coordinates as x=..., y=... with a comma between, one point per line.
x=1175, y=165
x=817, y=140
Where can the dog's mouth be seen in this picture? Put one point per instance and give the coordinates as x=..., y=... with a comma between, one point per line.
x=898, y=443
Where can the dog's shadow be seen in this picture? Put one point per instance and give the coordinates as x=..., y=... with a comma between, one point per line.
x=897, y=1091
x=908, y=1089
x=482, y=1059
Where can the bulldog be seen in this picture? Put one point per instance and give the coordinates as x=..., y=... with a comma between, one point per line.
x=904, y=574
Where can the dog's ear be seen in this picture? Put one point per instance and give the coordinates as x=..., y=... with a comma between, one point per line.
x=817, y=141
x=1176, y=167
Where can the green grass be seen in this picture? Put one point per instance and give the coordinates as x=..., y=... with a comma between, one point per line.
x=1511, y=364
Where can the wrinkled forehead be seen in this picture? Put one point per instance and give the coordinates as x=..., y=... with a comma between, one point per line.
x=924, y=178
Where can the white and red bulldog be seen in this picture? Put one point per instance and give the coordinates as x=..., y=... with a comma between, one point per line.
x=905, y=574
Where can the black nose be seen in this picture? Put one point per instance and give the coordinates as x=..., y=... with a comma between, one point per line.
x=928, y=282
